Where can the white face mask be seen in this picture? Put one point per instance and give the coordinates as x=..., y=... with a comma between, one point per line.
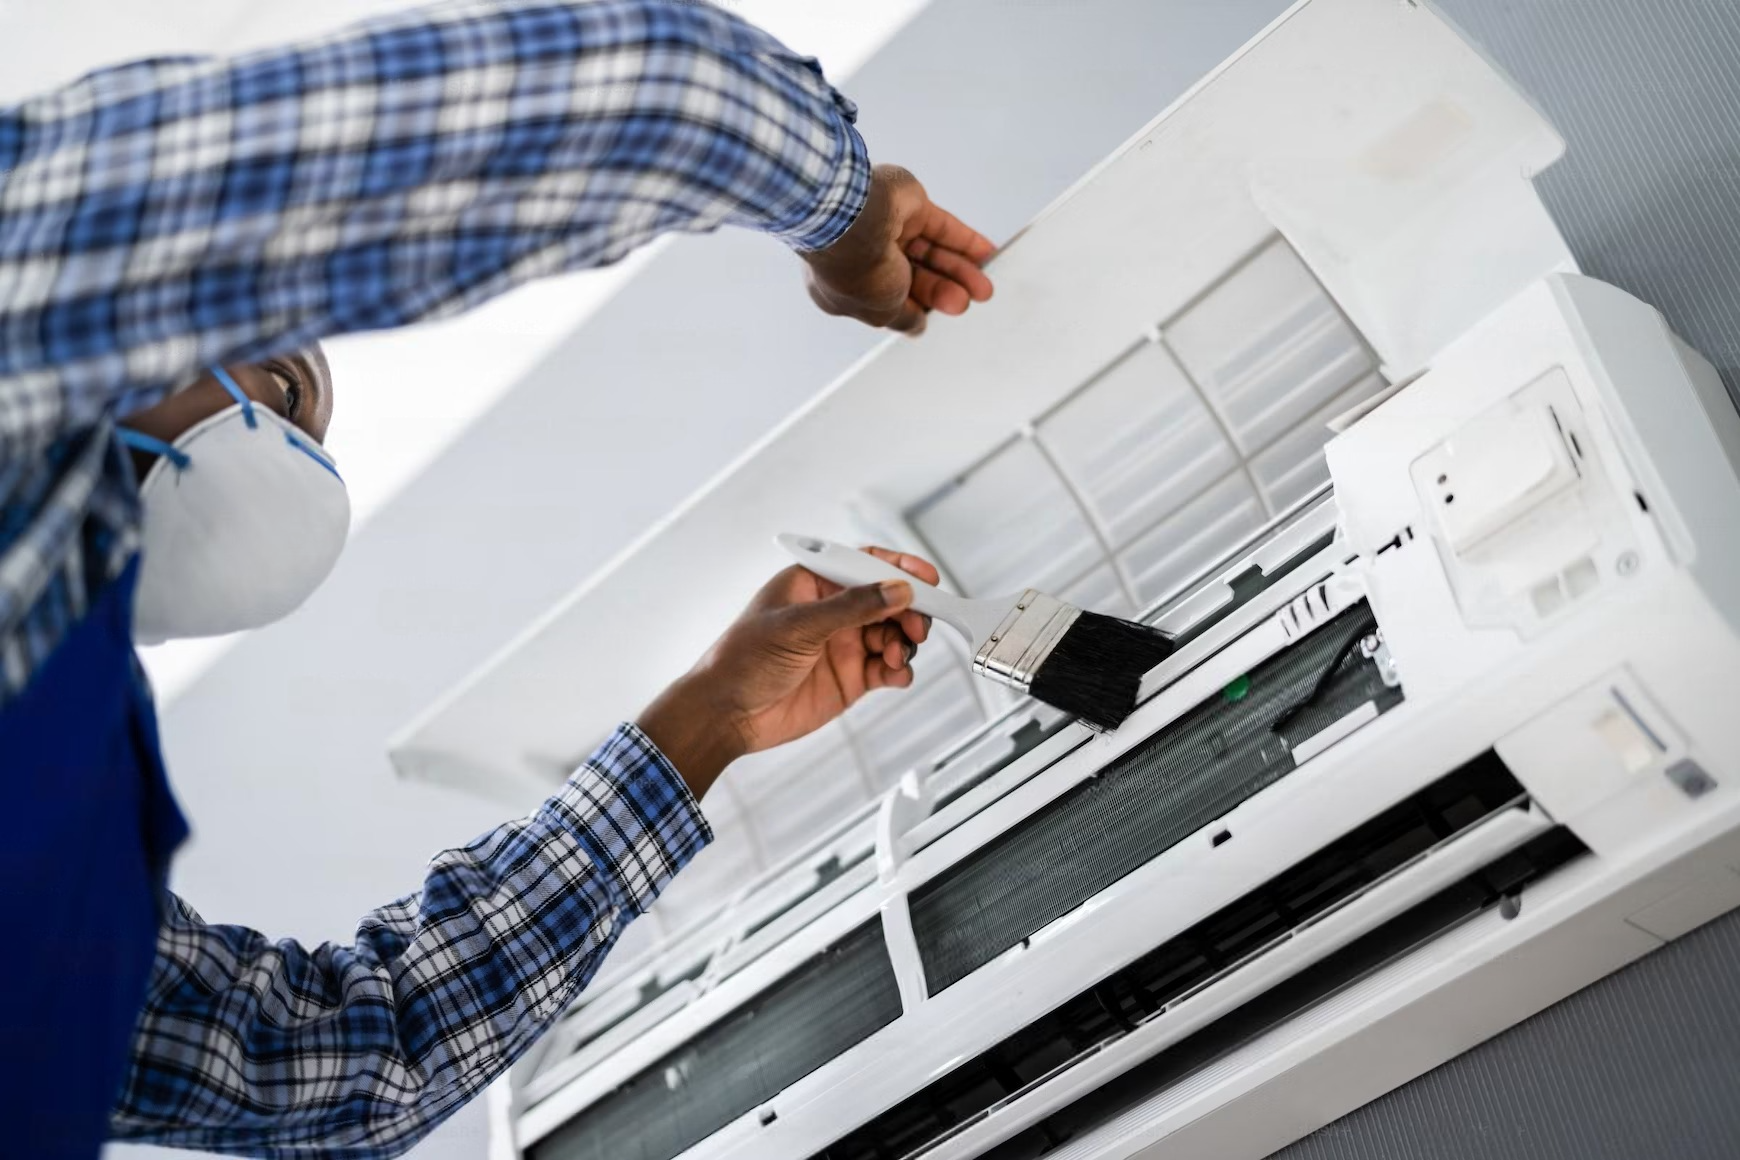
x=244, y=517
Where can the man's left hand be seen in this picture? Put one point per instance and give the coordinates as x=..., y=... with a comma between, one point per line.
x=903, y=257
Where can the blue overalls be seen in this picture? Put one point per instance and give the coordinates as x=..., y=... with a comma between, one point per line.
x=90, y=825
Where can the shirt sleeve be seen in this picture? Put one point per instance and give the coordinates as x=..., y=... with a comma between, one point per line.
x=165, y=215
x=263, y=1048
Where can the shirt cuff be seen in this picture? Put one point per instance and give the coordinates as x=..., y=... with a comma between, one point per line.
x=632, y=813
x=841, y=198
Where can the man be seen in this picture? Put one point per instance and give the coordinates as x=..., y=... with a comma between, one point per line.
x=175, y=237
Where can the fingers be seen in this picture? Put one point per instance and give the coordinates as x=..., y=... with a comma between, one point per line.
x=942, y=228
x=889, y=640
x=876, y=638
x=796, y=584
x=914, y=626
x=935, y=292
x=879, y=675
x=949, y=269
x=889, y=630
x=813, y=623
x=903, y=258
x=897, y=637
x=915, y=565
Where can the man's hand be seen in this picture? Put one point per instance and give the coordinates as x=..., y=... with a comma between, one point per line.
x=802, y=653
x=902, y=258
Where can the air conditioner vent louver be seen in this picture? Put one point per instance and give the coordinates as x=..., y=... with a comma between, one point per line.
x=1185, y=776
x=1427, y=920
x=837, y=999
x=1181, y=966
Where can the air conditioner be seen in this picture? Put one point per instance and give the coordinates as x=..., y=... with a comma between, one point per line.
x=1450, y=733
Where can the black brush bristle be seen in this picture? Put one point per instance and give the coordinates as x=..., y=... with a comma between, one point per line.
x=1096, y=670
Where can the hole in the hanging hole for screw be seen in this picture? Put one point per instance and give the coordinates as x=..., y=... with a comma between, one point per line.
x=1449, y=499
x=1642, y=504
x=1222, y=837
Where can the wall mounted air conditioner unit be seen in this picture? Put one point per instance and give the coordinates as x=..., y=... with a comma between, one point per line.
x=1450, y=733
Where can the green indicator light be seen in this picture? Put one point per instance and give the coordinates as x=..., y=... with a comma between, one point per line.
x=1237, y=689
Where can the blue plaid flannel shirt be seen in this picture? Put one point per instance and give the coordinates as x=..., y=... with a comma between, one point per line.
x=265, y=1048
x=165, y=215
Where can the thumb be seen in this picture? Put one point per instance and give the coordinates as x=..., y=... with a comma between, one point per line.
x=855, y=607
x=911, y=319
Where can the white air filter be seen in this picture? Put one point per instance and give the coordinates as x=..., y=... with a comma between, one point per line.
x=1268, y=347
x=1008, y=524
x=1138, y=443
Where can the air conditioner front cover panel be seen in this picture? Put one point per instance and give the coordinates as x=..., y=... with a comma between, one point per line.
x=1205, y=185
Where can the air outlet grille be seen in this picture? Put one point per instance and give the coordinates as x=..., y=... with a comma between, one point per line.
x=836, y=1000
x=1184, y=777
x=1428, y=920
x=1118, y=1004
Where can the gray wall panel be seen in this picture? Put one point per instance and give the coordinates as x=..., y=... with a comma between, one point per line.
x=1647, y=95
x=1645, y=1063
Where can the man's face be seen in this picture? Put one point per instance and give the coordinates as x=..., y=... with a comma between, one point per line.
x=254, y=529
x=297, y=386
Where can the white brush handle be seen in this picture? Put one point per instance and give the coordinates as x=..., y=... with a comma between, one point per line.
x=974, y=619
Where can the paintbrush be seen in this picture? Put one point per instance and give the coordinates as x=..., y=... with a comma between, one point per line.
x=1084, y=663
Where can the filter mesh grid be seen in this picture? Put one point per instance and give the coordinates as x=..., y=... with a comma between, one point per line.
x=1189, y=773
x=834, y=1001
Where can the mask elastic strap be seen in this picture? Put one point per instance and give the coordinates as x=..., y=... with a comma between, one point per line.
x=140, y=441
x=236, y=393
x=312, y=454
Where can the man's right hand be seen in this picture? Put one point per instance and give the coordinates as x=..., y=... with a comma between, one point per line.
x=802, y=653
x=902, y=258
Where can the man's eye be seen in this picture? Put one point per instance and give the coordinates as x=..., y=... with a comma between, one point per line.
x=292, y=393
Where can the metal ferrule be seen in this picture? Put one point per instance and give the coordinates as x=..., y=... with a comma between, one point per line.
x=1025, y=638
